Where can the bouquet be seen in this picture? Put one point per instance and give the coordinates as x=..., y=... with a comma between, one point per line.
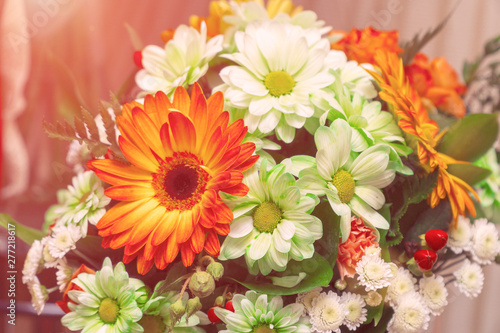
x=272, y=174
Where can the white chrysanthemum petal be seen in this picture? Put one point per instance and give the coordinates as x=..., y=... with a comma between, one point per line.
x=34, y=262
x=356, y=310
x=460, y=237
x=469, y=279
x=373, y=272
x=402, y=283
x=485, y=243
x=434, y=293
x=327, y=313
x=411, y=315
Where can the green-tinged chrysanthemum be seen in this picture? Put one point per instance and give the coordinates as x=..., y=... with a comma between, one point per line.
x=272, y=223
x=489, y=189
x=82, y=203
x=253, y=313
x=351, y=182
x=107, y=302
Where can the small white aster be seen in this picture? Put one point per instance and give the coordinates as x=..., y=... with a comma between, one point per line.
x=356, y=310
x=374, y=273
x=469, y=279
x=402, y=283
x=63, y=274
x=49, y=261
x=459, y=238
x=485, y=244
x=63, y=240
x=39, y=294
x=434, y=292
x=306, y=299
x=34, y=261
x=327, y=313
x=411, y=315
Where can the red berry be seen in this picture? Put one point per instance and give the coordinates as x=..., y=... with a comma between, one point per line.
x=425, y=259
x=138, y=59
x=212, y=316
x=229, y=306
x=436, y=239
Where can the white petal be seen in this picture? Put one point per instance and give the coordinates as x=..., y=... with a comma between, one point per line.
x=241, y=227
x=286, y=229
x=368, y=215
x=261, y=106
x=260, y=246
x=371, y=195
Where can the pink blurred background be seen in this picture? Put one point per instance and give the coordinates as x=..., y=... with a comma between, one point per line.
x=59, y=54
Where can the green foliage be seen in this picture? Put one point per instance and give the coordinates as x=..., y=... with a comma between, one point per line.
x=24, y=233
x=470, y=137
x=469, y=173
x=328, y=245
x=438, y=217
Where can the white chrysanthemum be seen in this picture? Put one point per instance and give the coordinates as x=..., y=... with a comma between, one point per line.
x=182, y=61
x=39, y=294
x=356, y=310
x=434, y=292
x=411, y=315
x=280, y=69
x=327, y=313
x=374, y=273
x=485, y=244
x=469, y=279
x=272, y=223
x=63, y=274
x=83, y=202
x=459, y=238
x=34, y=262
x=402, y=283
x=49, y=261
x=351, y=186
x=254, y=313
x=306, y=299
x=63, y=239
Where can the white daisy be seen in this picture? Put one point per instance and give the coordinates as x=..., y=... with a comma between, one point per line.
x=63, y=274
x=39, y=294
x=34, y=261
x=351, y=185
x=459, y=237
x=485, y=244
x=434, y=292
x=280, y=68
x=306, y=299
x=182, y=61
x=469, y=279
x=63, y=240
x=402, y=283
x=411, y=315
x=374, y=273
x=83, y=202
x=49, y=261
x=327, y=313
x=356, y=310
x=272, y=223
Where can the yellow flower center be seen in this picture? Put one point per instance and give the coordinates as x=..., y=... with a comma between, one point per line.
x=180, y=181
x=109, y=310
x=344, y=183
x=152, y=324
x=267, y=217
x=279, y=83
x=263, y=329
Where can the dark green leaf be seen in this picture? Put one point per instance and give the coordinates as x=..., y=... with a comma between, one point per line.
x=438, y=217
x=24, y=233
x=331, y=232
x=469, y=173
x=470, y=137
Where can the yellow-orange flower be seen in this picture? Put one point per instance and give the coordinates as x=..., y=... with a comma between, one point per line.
x=182, y=153
x=360, y=45
x=438, y=82
x=422, y=133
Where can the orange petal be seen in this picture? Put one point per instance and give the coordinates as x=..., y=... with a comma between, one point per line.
x=119, y=240
x=143, y=265
x=148, y=131
x=187, y=254
x=159, y=258
x=181, y=100
x=119, y=169
x=212, y=245
x=183, y=136
x=165, y=139
x=171, y=249
x=239, y=190
x=118, y=211
x=197, y=240
x=129, y=192
x=163, y=107
x=184, y=227
x=207, y=218
x=134, y=217
x=198, y=113
x=222, y=229
x=147, y=224
x=166, y=226
x=225, y=179
x=138, y=157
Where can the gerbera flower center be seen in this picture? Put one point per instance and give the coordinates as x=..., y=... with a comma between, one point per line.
x=344, y=183
x=153, y=324
x=109, y=310
x=180, y=181
x=267, y=217
x=279, y=83
x=263, y=329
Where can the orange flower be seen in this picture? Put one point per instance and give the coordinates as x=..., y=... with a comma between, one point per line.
x=71, y=286
x=360, y=45
x=438, y=82
x=422, y=133
x=353, y=249
x=182, y=154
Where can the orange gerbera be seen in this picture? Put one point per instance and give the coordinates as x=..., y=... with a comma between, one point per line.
x=182, y=153
x=422, y=132
x=360, y=45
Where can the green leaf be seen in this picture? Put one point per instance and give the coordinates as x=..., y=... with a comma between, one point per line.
x=329, y=243
x=470, y=137
x=24, y=233
x=438, y=217
x=321, y=275
x=469, y=173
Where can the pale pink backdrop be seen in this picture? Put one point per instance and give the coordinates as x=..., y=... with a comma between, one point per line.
x=74, y=52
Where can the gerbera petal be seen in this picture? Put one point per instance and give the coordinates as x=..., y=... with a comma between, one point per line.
x=183, y=133
x=137, y=157
x=129, y=192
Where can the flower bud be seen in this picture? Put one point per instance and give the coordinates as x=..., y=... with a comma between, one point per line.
x=193, y=305
x=177, y=310
x=340, y=284
x=202, y=284
x=216, y=270
x=373, y=298
x=219, y=301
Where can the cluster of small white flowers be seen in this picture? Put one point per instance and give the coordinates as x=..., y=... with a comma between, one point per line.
x=402, y=283
x=411, y=314
x=434, y=293
x=373, y=272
